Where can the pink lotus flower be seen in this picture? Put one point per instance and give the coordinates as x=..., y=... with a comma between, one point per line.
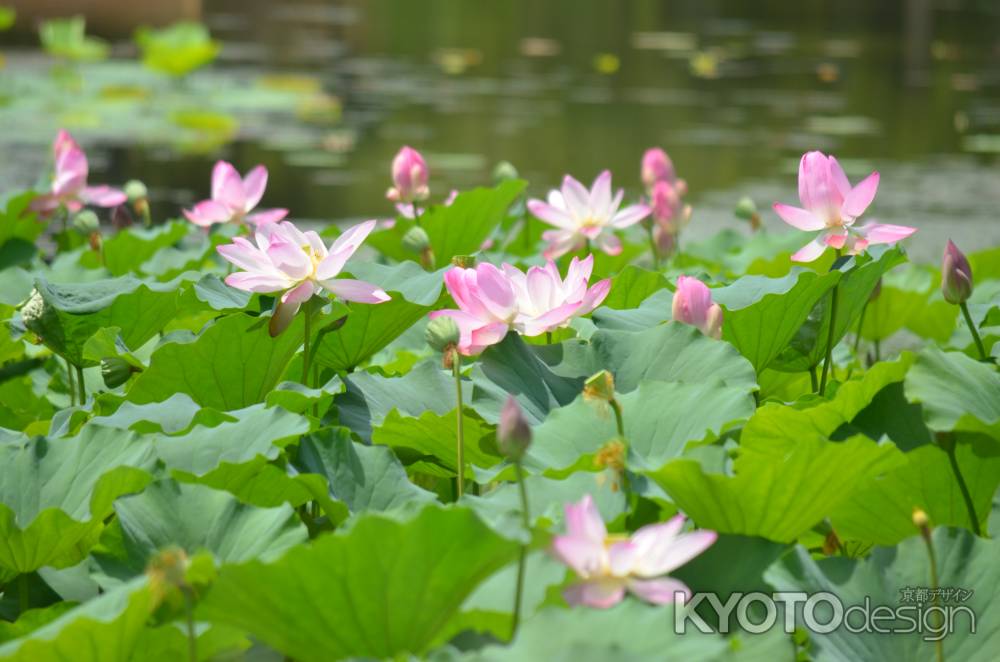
x=492, y=301
x=409, y=176
x=299, y=265
x=610, y=565
x=657, y=167
x=831, y=205
x=693, y=305
x=233, y=198
x=582, y=216
x=69, y=185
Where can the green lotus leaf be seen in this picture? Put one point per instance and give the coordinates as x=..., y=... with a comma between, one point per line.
x=381, y=588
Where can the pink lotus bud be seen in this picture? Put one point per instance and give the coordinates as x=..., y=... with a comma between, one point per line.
x=657, y=167
x=665, y=202
x=665, y=242
x=409, y=175
x=693, y=305
x=513, y=432
x=956, y=275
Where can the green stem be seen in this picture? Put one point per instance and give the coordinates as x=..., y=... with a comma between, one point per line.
x=949, y=448
x=878, y=350
x=652, y=248
x=934, y=584
x=548, y=337
x=24, y=597
x=522, y=558
x=829, y=340
x=81, y=385
x=191, y=634
x=617, y=408
x=306, y=333
x=71, y=381
x=416, y=213
x=813, y=379
x=861, y=324
x=456, y=366
x=974, y=331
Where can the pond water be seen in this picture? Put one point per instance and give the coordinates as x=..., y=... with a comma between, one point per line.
x=734, y=93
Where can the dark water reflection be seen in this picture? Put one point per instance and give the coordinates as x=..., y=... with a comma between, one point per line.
x=735, y=91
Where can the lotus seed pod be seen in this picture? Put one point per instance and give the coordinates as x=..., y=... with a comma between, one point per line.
x=504, y=172
x=416, y=240
x=86, y=222
x=115, y=371
x=442, y=333
x=746, y=209
x=136, y=190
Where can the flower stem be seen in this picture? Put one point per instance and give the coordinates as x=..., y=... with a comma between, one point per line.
x=191, y=634
x=548, y=337
x=71, y=381
x=617, y=408
x=813, y=379
x=926, y=534
x=416, y=213
x=829, y=340
x=81, y=385
x=975, y=333
x=652, y=249
x=861, y=324
x=949, y=448
x=23, y=595
x=521, y=561
x=306, y=358
x=456, y=367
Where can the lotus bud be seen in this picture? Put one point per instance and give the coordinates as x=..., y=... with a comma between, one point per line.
x=504, y=172
x=956, y=275
x=409, y=176
x=121, y=218
x=600, y=387
x=86, y=223
x=920, y=519
x=665, y=202
x=693, y=305
x=442, y=334
x=657, y=167
x=513, y=431
x=135, y=190
x=116, y=371
x=665, y=242
x=464, y=261
x=416, y=240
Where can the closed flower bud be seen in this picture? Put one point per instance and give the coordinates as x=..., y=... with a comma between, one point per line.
x=956, y=275
x=116, y=371
x=416, y=240
x=136, y=190
x=442, y=333
x=920, y=519
x=504, y=172
x=657, y=167
x=513, y=431
x=409, y=176
x=86, y=222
